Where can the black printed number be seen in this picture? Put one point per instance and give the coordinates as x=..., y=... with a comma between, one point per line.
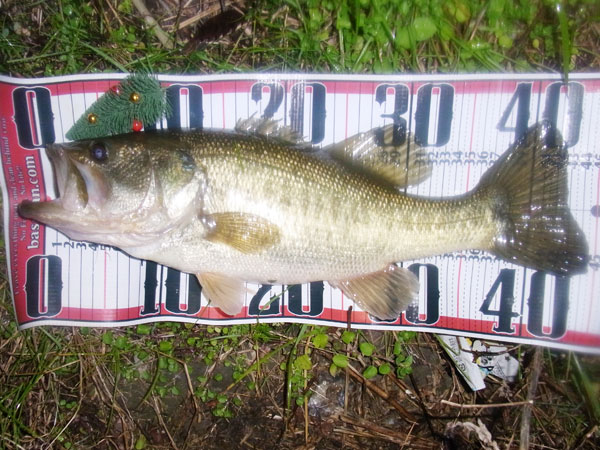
x=428, y=275
x=536, y=306
x=275, y=99
x=425, y=113
x=172, y=284
x=194, y=106
x=572, y=94
x=43, y=288
x=317, y=112
x=273, y=305
x=519, y=107
x=28, y=101
x=401, y=99
x=315, y=299
x=155, y=278
x=505, y=314
x=520, y=99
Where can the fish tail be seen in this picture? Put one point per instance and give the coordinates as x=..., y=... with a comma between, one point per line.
x=527, y=190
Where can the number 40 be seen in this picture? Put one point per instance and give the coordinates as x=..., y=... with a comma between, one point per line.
x=506, y=281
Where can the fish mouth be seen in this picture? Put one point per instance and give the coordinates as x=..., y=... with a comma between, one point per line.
x=72, y=188
x=71, y=185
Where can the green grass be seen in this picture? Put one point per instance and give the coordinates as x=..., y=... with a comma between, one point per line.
x=381, y=36
x=82, y=388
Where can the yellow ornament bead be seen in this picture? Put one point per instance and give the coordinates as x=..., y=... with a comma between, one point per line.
x=92, y=118
x=135, y=97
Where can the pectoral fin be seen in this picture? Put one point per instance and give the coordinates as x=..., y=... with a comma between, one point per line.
x=244, y=232
x=374, y=152
x=226, y=293
x=383, y=294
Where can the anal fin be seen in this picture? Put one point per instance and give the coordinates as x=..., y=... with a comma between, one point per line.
x=384, y=294
x=225, y=292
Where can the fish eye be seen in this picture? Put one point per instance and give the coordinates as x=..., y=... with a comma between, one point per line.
x=98, y=152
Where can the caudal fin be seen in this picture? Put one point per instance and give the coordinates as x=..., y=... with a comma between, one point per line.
x=527, y=188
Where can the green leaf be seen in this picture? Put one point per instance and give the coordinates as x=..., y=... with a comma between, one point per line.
x=141, y=442
x=172, y=366
x=340, y=360
x=333, y=370
x=107, y=338
x=505, y=41
x=408, y=361
x=320, y=340
x=165, y=346
x=303, y=362
x=370, y=372
x=348, y=336
x=402, y=39
x=407, y=335
x=121, y=342
x=424, y=28
x=343, y=20
x=125, y=7
x=366, y=348
x=384, y=369
x=401, y=372
x=143, y=328
x=495, y=9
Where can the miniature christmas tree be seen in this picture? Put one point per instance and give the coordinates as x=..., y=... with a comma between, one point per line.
x=137, y=101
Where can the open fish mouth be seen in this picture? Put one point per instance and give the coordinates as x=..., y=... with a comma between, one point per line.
x=71, y=185
x=72, y=190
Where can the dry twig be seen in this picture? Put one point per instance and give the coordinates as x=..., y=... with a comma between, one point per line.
x=163, y=37
x=489, y=405
x=533, y=384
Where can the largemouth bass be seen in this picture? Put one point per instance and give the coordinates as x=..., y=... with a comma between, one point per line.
x=239, y=206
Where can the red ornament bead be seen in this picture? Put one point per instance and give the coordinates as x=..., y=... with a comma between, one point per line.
x=116, y=89
x=137, y=125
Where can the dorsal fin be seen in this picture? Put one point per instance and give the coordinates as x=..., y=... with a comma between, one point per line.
x=270, y=128
x=402, y=165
